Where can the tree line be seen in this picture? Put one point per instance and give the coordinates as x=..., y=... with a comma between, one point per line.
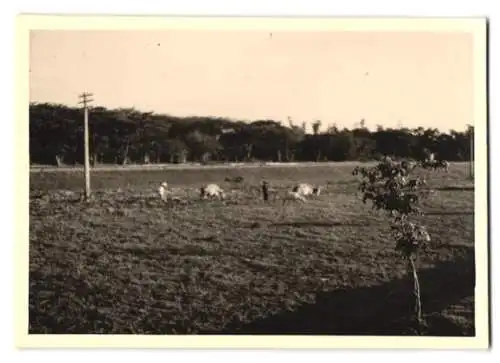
x=126, y=135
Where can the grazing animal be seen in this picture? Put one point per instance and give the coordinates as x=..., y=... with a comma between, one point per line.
x=408, y=166
x=163, y=191
x=443, y=164
x=211, y=191
x=426, y=164
x=306, y=189
x=292, y=196
x=414, y=183
x=435, y=164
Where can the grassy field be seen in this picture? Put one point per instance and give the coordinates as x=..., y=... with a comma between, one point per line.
x=128, y=263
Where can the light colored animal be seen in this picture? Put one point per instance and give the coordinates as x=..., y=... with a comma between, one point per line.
x=163, y=191
x=306, y=189
x=291, y=196
x=444, y=164
x=211, y=191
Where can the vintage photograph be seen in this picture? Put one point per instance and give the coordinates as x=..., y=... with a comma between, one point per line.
x=254, y=181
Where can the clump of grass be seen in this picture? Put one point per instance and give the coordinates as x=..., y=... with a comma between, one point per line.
x=235, y=179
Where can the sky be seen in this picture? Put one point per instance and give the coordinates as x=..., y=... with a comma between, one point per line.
x=392, y=79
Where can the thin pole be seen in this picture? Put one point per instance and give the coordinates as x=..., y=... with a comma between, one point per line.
x=87, y=164
x=85, y=101
x=471, y=152
x=471, y=170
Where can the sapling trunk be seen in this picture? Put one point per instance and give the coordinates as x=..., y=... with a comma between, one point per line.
x=416, y=293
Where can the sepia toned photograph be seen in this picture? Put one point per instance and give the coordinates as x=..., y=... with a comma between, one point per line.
x=257, y=178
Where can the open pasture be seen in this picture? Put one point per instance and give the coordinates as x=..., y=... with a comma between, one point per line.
x=129, y=263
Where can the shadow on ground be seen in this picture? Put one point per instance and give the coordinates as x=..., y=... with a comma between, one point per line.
x=456, y=213
x=458, y=188
x=317, y=224
x=377, y=310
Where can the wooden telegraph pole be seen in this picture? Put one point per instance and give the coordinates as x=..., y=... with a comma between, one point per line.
x=85, y=100
x=471, y=153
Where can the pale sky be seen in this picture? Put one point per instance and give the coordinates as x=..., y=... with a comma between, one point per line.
x=418, y=78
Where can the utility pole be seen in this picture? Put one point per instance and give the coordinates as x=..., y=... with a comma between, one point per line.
x=471, y=153
x=85, y=100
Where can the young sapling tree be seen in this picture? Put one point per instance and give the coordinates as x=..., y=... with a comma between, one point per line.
x=390, y=188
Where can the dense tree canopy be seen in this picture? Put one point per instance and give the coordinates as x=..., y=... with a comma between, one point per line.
x=129, y=136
